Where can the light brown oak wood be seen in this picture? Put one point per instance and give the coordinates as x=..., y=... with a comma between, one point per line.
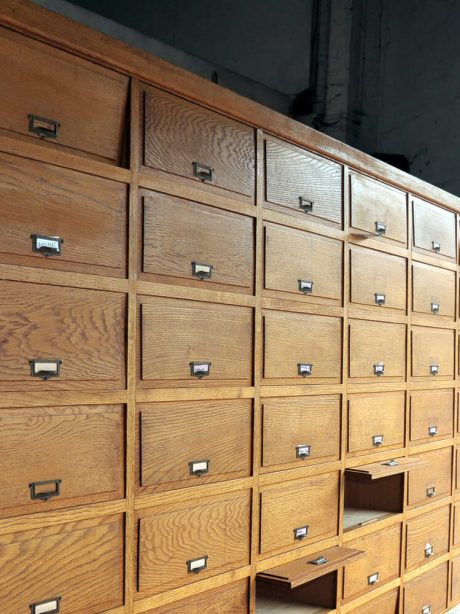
x=455, y=579
x=431, y=415
x=432, y=352
x=433, y=290
x=429, y=589
x=229, y=599
x=427, y=537
x=434, y=229
x=432, y=482
x=383, y=469
x=387, y=603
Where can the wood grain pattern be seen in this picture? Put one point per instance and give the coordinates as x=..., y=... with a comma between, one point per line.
x=388, y=603
x=431, y=408
x=432, y=346
x=434, y=224
x=428, y=589
x=422, y=532
x=455, y=579
x=437, y=475
x=433, y=285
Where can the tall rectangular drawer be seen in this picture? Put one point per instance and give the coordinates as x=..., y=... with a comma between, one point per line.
x=455, y=579
x=184, y=139
x=377, y=279
x=303, y=182
x=431, y=415
x=433, y=290
x=61, y=98
x=299, y=512
x=381, y=564
x=378, y=209
x=376, y=422
x=433, y=482
x=434, y=229
x=189, y=342
x=456, y=527
x=427, y=537
x=427, y=593
x=193, y=442
x=61, y=338
x=388, y=603
x=182, y=543
x=306, y=265
x=457, y=469
x=432, y=352
x=73, y=568
x=301, y=430
x=61, y=219
x=185, y=242
x=228, y=599
x=302, y=347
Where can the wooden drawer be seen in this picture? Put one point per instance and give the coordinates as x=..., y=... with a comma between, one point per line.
x=299, y=512
x=434, y=229
x=300, y=430
x=431, y=415
x=84, y=329
x=185, y=242
x=185, y=139
x=457, y=469
x=192, y=443
x=87, y=100
x=229, y=599
x=427, y=537
x=433, y=482
x=427, y=591
x=302, y=263
x=55, y=457
x=432, y=352
x=381, y=564
x=185, y=542
x=302, y=347
x=456, y=527
x=433, y=290
x=76, y=566
x=377, y=279
x=302, y=181
x=455, y=579
x=377, y=345
x=376, y=422
x=374, y=203
x=79, y=220
x=385, y=604
x=191, y=343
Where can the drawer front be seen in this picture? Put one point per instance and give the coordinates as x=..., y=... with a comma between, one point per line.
x=301, y=347
x=432, y=352
x=433, y=290
x=60, y=456
x=303, y=264
x=229, y=599
x=456, y=527
x=433, y=482
x=193, y=342
x=427, y=591
x=57, y=218
x=377, y=279
x=192, y=541
x=374, y=203
x=431, y=415
x=427, y=537
x=86, y=100
x=191, y=443
x=300, y=512
x=300, y=430
x=84, y=329
x=184, y=240
x=455, y=579
x=386, y=604
x=182, y=138
x=381, y=564
x=377, y=350
x=457, y=469
x=376, y=421
x=303, y=182
x=77, y=566
x=434, y=229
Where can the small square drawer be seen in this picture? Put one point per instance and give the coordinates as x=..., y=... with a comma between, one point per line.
x=185, y=242
x=299, y=512
x=75, y=567
x=377, y=350
x=377, y=209
x=302, y=263
x=376, y=421
x=194, y=442
x=300, y=430
x=427, y=537
x=228, y=599
x=432, y=352
x=455, y=579
x=304, y=182
x=431, y=415
x=302, y=348
x=433, y=482
x=433, y=290
x=434, y=229
x=381, y=564
x=186, y=140
x=182, y=543
x=377, y=279
x=427, y=594
x=388, y=603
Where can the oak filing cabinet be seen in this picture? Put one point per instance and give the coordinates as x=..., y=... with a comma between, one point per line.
x=228, y=350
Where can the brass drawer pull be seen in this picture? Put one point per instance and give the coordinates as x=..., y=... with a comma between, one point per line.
x=202, y=271
x=45, y=495
x=50, y=606
x=377, y=440
x=429, y=550
x=199, y=468
x=47, y=246
x=379, y=298
x=431, y=491
x=301, y=532
x=379, y=368
x=304, y=369
x=436, y=246
x=202, y=171
x=305, y=286
x=380, y=228
x=303, y=450
x=306, y=204
x=200, y=369
x=43, y=127
x=435, y=308
x=434, y=369
x=373, y=578
x=321, y=560
x=432, y=431
x=426, y=609
x=197, y=565
x=45, y=368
